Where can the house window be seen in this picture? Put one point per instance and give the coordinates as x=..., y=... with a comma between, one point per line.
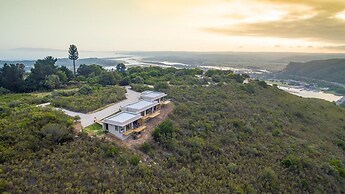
x=107, y=127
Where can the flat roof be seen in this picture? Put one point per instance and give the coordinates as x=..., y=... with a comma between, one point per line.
x=140, y=105
x=152, y=94
x=122, y=118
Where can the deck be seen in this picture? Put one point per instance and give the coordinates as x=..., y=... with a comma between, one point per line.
x=136, y=130
x=151, y=116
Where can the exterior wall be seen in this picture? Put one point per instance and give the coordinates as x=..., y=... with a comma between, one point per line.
x=114, y=132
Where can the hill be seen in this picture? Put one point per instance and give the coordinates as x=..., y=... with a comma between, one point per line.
x=223, y=138
x=331, y=70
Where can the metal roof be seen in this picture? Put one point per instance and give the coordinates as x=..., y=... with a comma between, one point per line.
x=139, y=106
x=152, y=95
x=122, y=118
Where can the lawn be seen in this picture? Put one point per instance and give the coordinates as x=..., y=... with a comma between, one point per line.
x=94, y=129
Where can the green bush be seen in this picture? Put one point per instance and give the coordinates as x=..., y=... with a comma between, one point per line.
x=164, y=131
x=134, y=160
x=146, y=147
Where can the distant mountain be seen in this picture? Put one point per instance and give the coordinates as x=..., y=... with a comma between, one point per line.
x=331, y=70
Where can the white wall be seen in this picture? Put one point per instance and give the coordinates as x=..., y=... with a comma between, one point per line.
x=114, y=132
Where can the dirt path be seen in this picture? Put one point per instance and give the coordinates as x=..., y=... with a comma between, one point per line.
x=77, y=127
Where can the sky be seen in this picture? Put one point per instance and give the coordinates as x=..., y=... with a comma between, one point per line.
x=174, y=25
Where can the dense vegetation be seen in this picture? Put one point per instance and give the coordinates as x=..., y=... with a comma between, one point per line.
x=223, y=137
x=87, y=98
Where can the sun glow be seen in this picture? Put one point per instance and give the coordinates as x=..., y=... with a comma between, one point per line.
x=340, y=15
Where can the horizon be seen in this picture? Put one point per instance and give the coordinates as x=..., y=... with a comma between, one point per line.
x=307, y=26
x=32, y=54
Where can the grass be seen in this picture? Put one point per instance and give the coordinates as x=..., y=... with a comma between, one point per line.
x=94, y=129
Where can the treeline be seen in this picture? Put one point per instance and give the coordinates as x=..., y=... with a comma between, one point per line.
x=46, y=76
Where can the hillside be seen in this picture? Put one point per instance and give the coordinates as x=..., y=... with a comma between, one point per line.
x=226, y=138
x=331, y=70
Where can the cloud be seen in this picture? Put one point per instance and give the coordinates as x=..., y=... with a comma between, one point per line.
x=317, y=23
x=336, y=47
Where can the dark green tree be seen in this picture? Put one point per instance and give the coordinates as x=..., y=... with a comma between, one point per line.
x=42, y=69
x=73, y=55
x=87, y=70
x=107, y=78
x=12, y=76
x=68, y=72
x=121, y=67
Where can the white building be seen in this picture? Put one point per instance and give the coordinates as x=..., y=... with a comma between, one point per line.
x=153, y=96
x=142, y=107
x=123, y=124
x=132, y=118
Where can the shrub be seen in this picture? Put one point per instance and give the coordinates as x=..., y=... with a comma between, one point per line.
x=56, y=132
x=85, y=90
x=164, y=131
x=270, y=179
x=4, y=91
x=232, y=167
x=262, y=84
x=161, y=86
x=111, y=151
x=339, y=166
x=134, y=160
x=145, y=147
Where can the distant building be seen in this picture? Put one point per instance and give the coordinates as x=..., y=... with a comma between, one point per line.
x=341, y=101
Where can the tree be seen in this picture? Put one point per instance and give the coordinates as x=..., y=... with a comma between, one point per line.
x=161, y=86
x=87, y=70
x=12, y=76
x=73, y=55
x=68, y=72
x=76, y=118
x=107, y=78
x=62, y=76
x=52, y=82
x=42, y=69
x=121, y=67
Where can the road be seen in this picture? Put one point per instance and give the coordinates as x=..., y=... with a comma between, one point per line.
x=88, y=119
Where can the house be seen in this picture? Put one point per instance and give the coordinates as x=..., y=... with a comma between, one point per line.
x=124, y=124
x=153, y=96
x=131, y=120
x=147, y=109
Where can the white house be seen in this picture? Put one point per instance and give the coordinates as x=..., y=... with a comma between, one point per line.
x=131, y=119
x=153, y=96
x=144, y=108
x=123, y=124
